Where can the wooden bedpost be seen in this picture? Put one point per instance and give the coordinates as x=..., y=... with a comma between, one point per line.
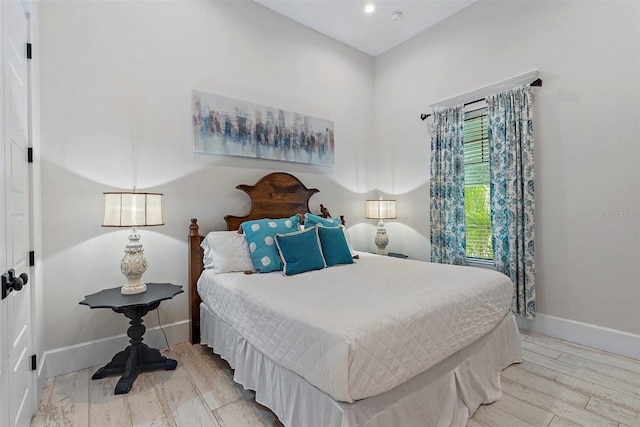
x=195, y=269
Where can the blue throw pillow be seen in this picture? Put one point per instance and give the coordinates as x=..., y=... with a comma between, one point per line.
x=334, y=246
x=261, y=239
x=311, y=220
x=300, y=251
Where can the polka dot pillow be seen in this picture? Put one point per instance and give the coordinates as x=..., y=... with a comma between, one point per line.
x=311, y=220
x=261, y=239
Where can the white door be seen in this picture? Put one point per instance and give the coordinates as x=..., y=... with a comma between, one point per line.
x=16, y=377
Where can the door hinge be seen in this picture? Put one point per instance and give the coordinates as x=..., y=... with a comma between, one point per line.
x=29, y=51
x=34, y=365
x=29, y=154
x=32, y=258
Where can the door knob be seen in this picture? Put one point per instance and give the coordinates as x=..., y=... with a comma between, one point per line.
x=25, y=278
x=12, y=283
x=17, y=284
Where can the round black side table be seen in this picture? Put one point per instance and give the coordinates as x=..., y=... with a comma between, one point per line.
x=137, y=357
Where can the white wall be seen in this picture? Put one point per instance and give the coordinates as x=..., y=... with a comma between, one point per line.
x=116, y=81
x=587, y=140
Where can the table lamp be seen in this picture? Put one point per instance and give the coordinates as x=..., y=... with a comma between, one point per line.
x=133, y=209
x=381, y=209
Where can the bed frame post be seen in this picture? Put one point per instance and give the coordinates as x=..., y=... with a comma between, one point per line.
x=195, y=269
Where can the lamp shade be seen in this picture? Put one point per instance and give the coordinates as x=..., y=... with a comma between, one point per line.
x=132, y=209
x=381, y=209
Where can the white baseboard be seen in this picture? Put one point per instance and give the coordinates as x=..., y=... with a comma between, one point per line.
x=611, y=340
x=72, y=358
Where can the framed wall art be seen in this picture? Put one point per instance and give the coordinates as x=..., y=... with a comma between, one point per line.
x=231, y=127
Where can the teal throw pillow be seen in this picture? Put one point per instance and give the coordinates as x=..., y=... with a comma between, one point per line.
x=334, y=246
x=311, y=220
x=261, y=239
x=300, y=251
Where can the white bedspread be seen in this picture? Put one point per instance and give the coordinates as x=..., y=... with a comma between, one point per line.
x=358, y=330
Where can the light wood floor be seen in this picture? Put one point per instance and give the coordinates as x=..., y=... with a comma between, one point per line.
x=557, y=384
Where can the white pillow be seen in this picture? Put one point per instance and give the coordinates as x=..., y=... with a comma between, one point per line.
x=226, y=251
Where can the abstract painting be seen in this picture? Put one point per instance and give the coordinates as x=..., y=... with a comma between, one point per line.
x=237, y=128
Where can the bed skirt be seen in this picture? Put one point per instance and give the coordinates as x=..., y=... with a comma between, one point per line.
x=445, y=395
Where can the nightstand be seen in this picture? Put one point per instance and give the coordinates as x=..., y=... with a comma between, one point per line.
x=137, y=357
x=393, y=254
x=397, y=255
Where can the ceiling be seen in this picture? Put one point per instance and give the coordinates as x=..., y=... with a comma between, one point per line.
x=375, y=33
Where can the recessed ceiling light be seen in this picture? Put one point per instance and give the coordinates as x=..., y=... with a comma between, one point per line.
x=369, y=8
x=396, y=15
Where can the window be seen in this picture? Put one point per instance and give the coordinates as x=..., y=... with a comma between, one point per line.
x=476, y=185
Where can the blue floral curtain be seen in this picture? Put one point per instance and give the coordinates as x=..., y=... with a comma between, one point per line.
x=447, y=187
x=510, y=119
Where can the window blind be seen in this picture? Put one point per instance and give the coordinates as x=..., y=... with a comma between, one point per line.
x=476, y=148
x=476, y=180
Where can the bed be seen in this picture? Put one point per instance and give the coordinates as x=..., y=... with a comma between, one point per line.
x=379, y=342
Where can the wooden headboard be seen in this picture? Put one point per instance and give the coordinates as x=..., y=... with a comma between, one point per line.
x=276, y=195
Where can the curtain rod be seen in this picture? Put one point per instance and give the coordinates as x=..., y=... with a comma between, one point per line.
x=536, y=82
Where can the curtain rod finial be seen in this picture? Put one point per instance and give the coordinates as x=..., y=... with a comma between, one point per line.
x=423, y=116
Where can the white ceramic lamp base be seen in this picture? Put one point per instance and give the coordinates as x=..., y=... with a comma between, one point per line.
x=382, y=240
x=133, y=266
